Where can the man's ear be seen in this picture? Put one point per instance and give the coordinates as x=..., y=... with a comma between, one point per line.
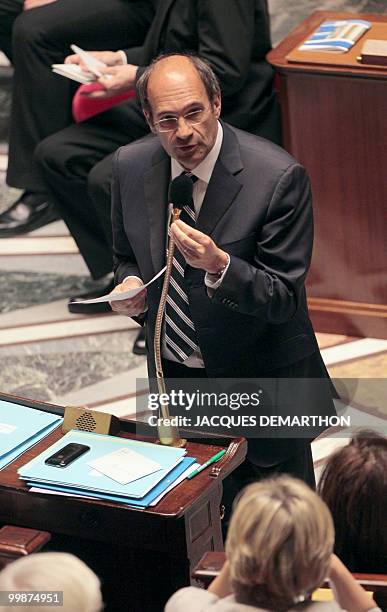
x=149, y=120
x=217, y=104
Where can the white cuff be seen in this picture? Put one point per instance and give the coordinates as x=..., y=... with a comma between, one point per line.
x=215, y=284
x=130, y=276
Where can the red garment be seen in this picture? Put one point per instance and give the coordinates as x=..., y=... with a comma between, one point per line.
x=84, y=107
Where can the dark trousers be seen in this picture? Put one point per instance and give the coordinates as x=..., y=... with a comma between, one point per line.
x=9, y=10
x=41, y=37
x=76, y=166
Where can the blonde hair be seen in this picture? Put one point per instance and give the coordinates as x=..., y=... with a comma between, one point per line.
x=279, y=543
x=54, y=572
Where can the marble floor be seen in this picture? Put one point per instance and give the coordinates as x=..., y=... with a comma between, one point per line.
x=49, y=354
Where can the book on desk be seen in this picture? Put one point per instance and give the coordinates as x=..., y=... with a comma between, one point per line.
x=362, y=46
x=336, y=36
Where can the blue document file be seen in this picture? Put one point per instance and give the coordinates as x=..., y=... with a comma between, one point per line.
x=19, y=450
x=80, y=475
x=21, y=427
x=336, y=36
x=135, y=503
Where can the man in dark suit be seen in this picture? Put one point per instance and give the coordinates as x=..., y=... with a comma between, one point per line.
x=35, y=35
x=236, y=306
x=233, y=35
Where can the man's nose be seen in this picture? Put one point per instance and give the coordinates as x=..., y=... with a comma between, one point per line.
x=184, y=129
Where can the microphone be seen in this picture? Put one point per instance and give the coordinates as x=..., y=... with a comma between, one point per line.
x=180, y=193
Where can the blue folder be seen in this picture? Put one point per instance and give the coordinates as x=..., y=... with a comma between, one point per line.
x=21, y=427
x=136, y=503
x=83, y=477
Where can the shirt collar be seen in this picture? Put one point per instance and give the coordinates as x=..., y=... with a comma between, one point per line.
x=204, y=170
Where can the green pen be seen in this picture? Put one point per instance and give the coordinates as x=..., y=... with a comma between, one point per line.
x=211, y=460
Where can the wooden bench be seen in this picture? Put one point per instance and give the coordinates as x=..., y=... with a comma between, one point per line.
x=17, y=542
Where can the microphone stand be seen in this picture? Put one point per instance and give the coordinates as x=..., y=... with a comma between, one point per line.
x=168, y=434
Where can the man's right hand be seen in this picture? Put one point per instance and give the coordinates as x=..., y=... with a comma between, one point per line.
x=132, y=307
x=110, y=58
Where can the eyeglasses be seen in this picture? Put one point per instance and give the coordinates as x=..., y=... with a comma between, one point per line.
x=170, y=124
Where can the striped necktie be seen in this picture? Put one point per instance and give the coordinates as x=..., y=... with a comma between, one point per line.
x=180, y=335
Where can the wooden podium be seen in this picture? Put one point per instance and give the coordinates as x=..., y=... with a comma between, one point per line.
x=335, y=123
x=141, y=556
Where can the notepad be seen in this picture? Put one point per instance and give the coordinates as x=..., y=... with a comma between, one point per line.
x=73, y=72
x=374, y=52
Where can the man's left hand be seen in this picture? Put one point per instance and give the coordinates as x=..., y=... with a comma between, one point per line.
x=199, y=250
x=30, y=4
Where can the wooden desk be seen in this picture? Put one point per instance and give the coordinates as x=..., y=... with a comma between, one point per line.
x=335, y=124
x=143, y=556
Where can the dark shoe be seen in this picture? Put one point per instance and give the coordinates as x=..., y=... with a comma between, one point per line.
x=139, y=347
x=29, y=212
x=75, y=307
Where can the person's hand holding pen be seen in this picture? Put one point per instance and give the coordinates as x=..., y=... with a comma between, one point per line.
x=116, y=80
x=108, y=68
x=110, y=58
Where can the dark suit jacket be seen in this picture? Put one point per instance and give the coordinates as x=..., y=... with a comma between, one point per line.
x=234, y=37
x=257, y=208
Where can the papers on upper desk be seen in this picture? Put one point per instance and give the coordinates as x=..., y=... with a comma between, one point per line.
x=123, y=295
x=73, y=72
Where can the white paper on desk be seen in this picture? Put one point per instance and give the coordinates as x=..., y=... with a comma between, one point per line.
x=124, y=295
x=52, y=492
x=125, y=465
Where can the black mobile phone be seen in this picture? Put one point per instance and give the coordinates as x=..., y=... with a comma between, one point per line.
x=67, y=455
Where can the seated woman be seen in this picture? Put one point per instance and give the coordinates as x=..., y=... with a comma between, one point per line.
x=354, y=487
x=50, y=571
x=279, y=550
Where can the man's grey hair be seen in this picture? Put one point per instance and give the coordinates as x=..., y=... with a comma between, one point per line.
x=206, y=74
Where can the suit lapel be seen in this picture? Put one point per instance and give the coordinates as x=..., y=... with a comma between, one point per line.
x=156, y=182
x=223, y=186
x=221, y=192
